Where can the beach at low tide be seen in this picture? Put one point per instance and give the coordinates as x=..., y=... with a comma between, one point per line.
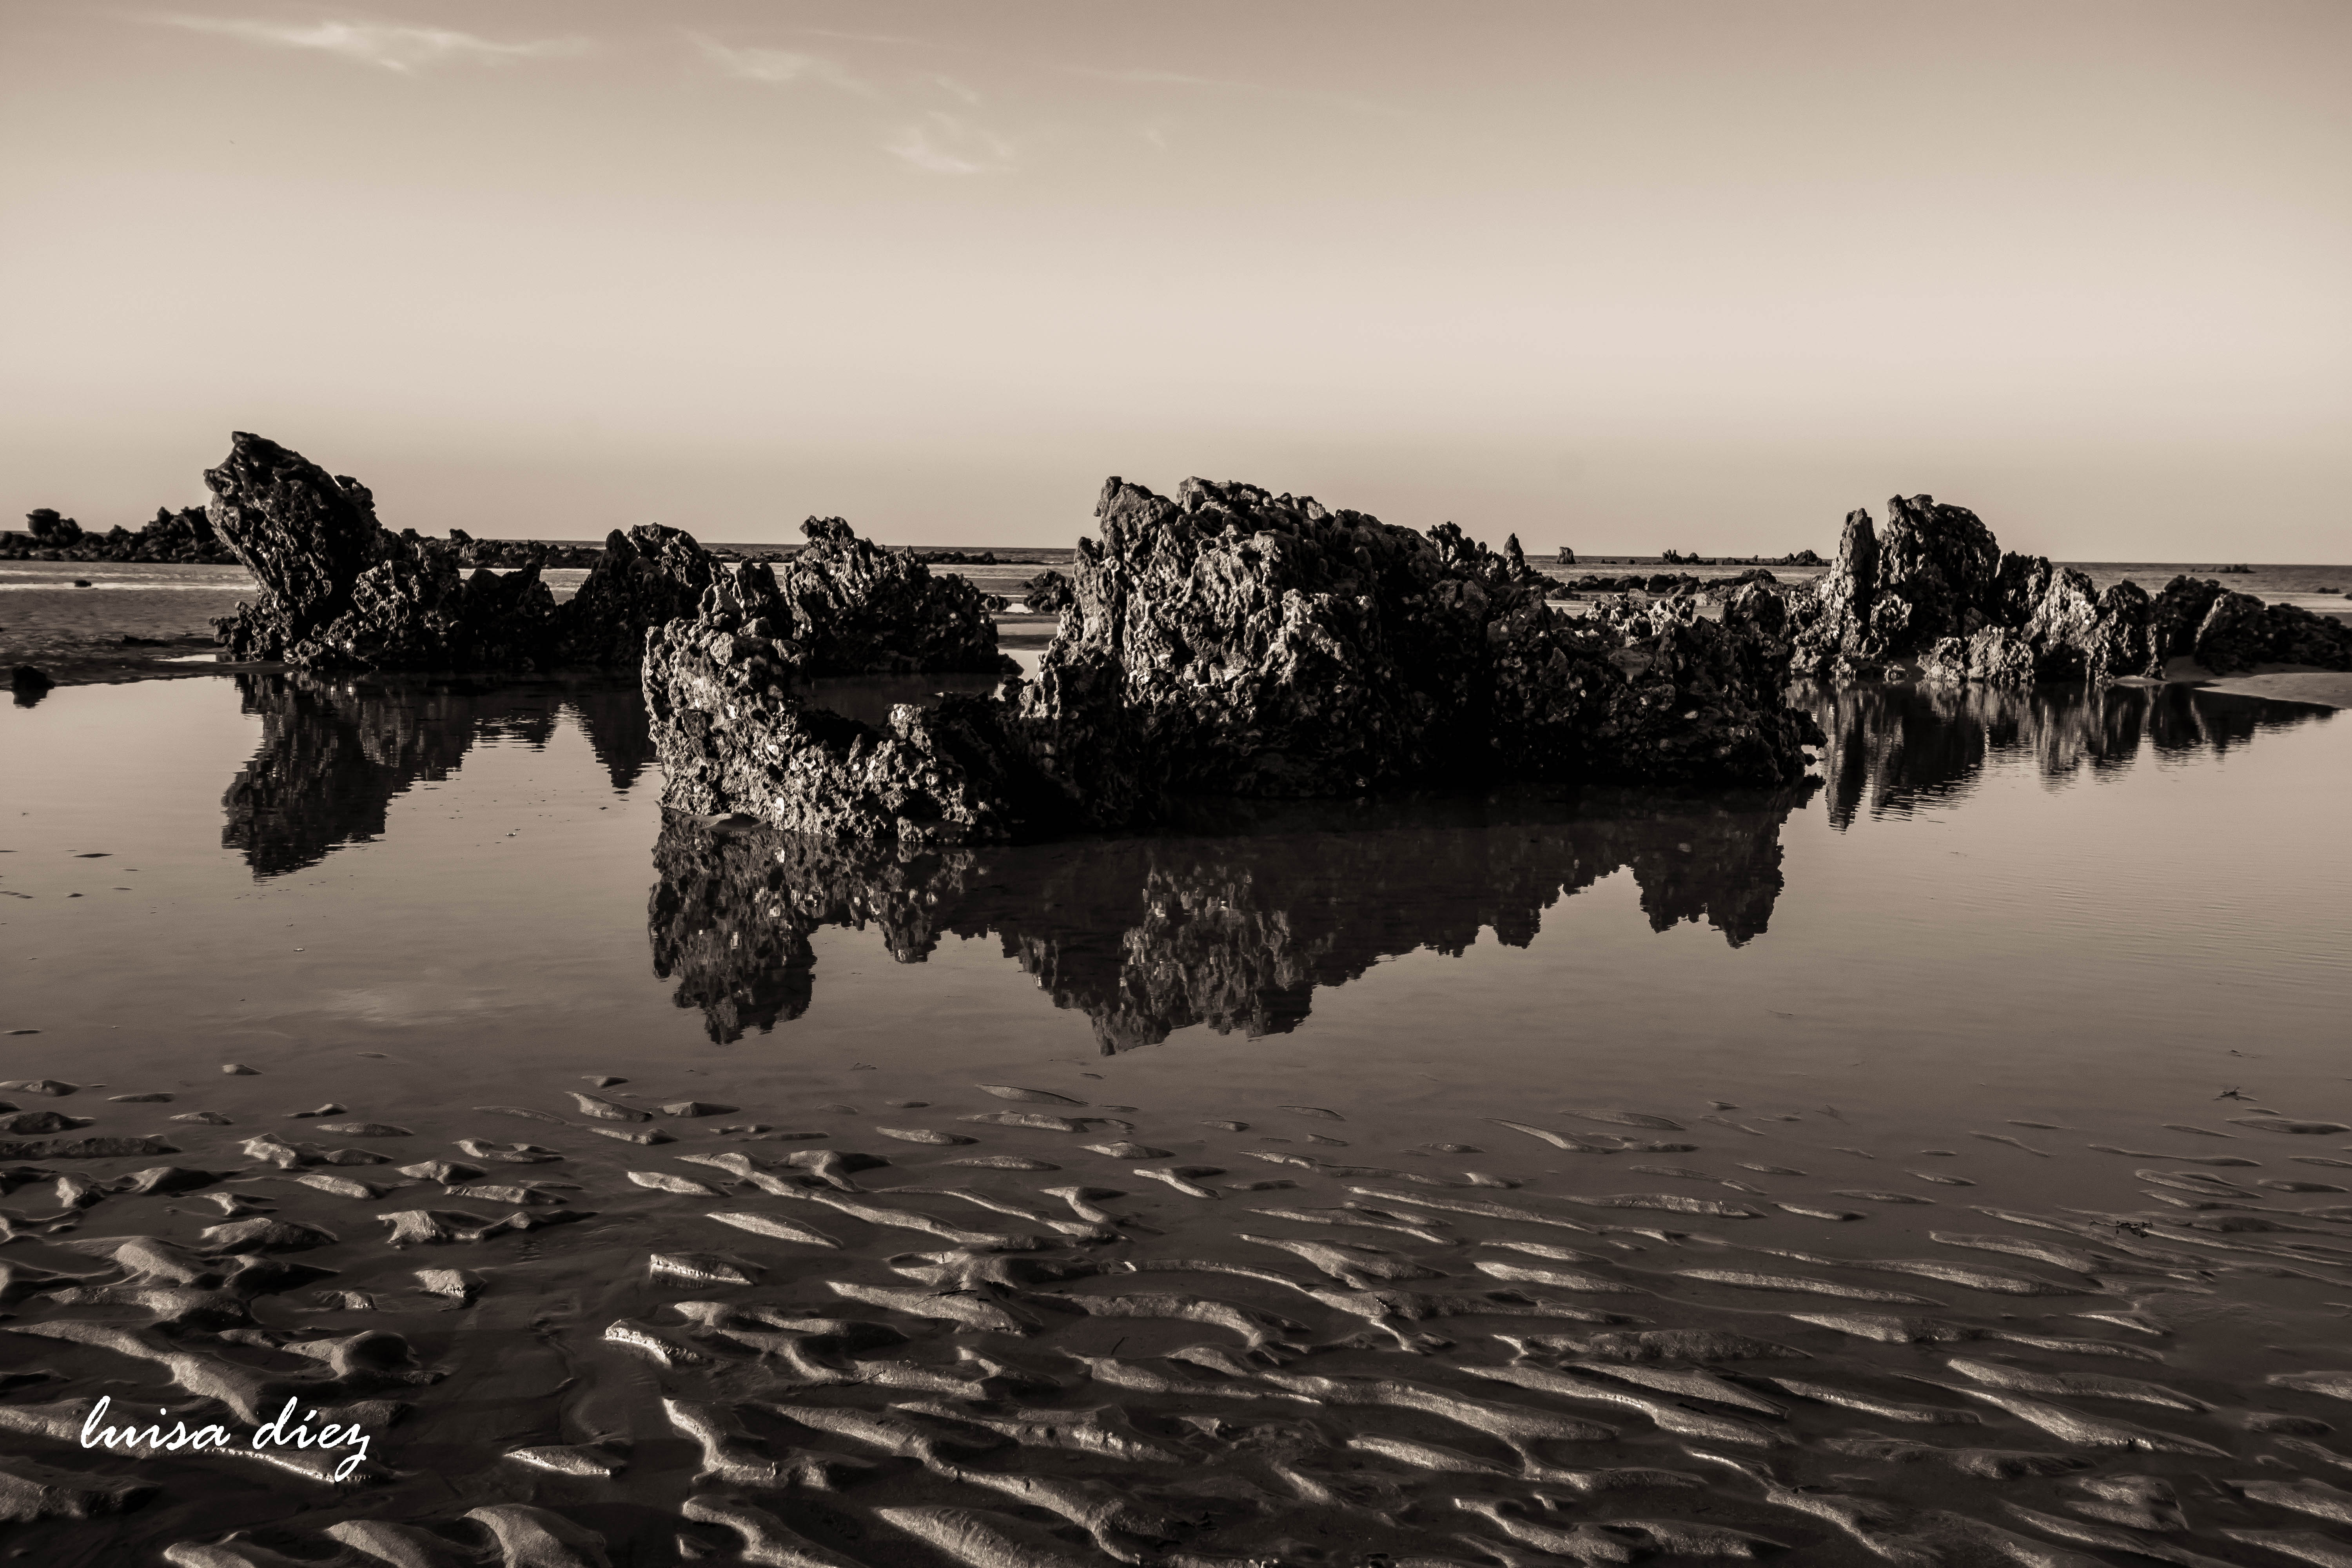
x=1943, y=1161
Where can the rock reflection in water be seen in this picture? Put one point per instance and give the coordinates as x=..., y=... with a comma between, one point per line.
x=335, y=752
x=1893, y=748
x=1234, y=926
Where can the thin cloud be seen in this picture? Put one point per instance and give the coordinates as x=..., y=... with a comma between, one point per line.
x=1146, y=77
x=948, y=84
x=378, y=44
x=943, y=145
x=779, y=67
x=897, y=38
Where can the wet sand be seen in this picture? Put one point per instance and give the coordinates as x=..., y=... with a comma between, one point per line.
x=808, y=1313
x=2321, y=688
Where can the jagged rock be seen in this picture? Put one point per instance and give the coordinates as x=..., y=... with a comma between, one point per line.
x=341, y=591
x=1049, y=594
x=304, y=534
x=1886, y=600
x=733, y=737
x=29, y=683
x=856, y=608
x=1515, y=563
x=1937, y=593
x=649, y=575
x=2240, y=631
x=1227, y=642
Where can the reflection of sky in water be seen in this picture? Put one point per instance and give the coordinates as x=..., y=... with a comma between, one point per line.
x=487, y=863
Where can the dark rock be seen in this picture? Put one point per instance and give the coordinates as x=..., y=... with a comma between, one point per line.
x=856, y=608
x=305, y=535
x=340, y=592
x=646, y=576
x=1937, y=595
x=1049, y=594
x=1566, y=557
x=1228, y=643
x=1515, y=563
x=733, y=738
x=29, y=684
x=184, y=536
x=2240, y=631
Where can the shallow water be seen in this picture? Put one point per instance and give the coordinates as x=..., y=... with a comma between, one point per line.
x=2011, y=949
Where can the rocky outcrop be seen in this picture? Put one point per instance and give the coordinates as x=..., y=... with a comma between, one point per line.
x=2238, y=631
x=647, y=575
x=341, y=591
x=734, y=736
x=1227, y=642
x=182, y=537
x=1047, y=594
x=1936, y=595
x=860, y=609
x=338, y=591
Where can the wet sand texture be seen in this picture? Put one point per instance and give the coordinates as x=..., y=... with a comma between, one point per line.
x=949, y=1331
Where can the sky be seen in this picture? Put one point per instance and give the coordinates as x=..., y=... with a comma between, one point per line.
x=1648, y=274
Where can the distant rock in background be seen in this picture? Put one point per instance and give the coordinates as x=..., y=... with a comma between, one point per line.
x=1049, y=594
x=1228, y=642
x=184, y=537
x=1937, y=593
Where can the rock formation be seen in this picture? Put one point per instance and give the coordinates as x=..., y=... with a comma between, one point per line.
x=338, y=591
x=1048, y=594
x=1225, y=642
x=1938, y=593
x=860, y=609
x=647, y=575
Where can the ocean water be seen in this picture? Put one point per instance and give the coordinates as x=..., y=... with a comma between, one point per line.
x=1958, y=1144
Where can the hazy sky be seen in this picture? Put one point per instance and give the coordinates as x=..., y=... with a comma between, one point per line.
x=1621, y=276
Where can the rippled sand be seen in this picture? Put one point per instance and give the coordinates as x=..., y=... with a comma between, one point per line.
x=998, y=1324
